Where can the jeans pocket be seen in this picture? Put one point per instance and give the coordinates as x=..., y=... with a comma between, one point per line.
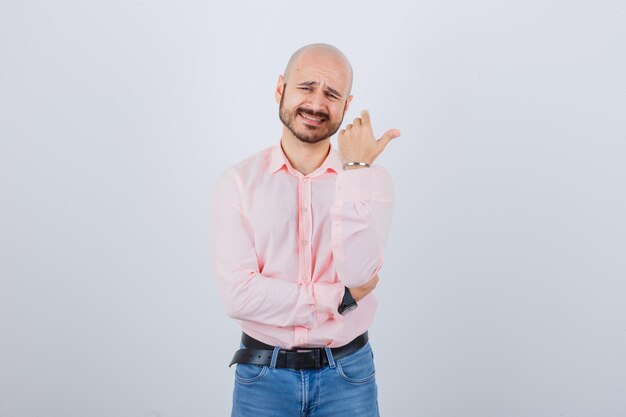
x=357, y=367
x=246, y=373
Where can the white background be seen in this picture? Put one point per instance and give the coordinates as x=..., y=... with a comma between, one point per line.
x=504, y=288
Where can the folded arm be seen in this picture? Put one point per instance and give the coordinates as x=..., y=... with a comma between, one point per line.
x=246, y=293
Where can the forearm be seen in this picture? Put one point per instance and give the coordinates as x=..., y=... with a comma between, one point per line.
x=254, y=297
x=361, y=216
x=246, y=293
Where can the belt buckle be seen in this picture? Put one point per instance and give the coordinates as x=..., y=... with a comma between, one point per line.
x=316, y=357
x=317, y=361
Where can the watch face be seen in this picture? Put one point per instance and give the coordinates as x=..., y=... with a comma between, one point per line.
x=349, y=307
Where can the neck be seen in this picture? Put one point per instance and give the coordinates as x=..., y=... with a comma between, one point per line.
x=304, y=157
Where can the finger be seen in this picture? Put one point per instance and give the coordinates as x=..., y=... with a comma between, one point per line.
x=365, y=116
x=341, y=132
x=349, y=126
x=374, y=283
x=357, y=121
x=388, y=136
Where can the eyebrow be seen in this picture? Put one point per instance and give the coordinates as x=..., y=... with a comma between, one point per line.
x=332, y=90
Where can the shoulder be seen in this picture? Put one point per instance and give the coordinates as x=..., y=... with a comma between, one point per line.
x=255, y=161
x=250, y=166
x=249, y=169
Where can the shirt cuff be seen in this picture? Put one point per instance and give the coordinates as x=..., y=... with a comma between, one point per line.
x=354, y=185
x=328, y=297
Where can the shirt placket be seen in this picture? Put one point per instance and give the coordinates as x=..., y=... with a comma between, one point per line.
x=305, y=232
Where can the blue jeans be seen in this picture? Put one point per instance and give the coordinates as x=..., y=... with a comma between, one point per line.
x=345, y=387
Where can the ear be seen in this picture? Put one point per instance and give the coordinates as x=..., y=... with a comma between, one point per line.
x=348, y=101
x=279, y=88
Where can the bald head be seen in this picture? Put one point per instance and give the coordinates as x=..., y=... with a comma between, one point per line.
x=320, y=53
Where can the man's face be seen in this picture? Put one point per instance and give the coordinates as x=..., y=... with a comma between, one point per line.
x=314, y=99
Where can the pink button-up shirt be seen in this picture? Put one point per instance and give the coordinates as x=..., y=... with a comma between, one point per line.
x=286, y=244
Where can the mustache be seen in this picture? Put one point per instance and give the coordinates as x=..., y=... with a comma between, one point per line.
x=313, y=113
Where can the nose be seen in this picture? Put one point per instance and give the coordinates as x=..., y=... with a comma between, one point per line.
x=318, y=100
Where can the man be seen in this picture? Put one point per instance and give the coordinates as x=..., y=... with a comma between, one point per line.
x=299, y=233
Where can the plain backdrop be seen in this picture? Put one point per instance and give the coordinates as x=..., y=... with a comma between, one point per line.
x=504, y=287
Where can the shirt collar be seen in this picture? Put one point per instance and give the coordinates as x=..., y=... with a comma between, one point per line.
x=278, y=160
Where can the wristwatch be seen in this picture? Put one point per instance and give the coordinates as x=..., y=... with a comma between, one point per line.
x=348, y=303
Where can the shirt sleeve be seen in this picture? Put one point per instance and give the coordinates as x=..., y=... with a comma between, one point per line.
x=245, y=292
x=361, y=217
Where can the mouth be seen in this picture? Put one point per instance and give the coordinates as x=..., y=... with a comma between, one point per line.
x=311, y=120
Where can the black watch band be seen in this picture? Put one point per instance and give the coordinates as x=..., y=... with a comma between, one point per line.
x=348, y=303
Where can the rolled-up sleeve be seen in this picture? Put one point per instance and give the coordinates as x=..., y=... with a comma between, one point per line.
x=361, y=217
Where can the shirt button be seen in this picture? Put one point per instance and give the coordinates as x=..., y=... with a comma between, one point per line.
x=306, y=179
x=304, y=209
x=304, y=242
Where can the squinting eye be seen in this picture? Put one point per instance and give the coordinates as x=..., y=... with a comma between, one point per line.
x=305, y=88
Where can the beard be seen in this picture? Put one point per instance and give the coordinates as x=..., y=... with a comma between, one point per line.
x=309, y=134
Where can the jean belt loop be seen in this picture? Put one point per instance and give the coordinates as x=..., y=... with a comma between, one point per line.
x=329, y=355
x=274, y=357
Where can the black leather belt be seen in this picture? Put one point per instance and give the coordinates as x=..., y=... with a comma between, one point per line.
x=258, y=353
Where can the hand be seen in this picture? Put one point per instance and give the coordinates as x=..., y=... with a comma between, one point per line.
x=359, y=292
x=357, y=142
